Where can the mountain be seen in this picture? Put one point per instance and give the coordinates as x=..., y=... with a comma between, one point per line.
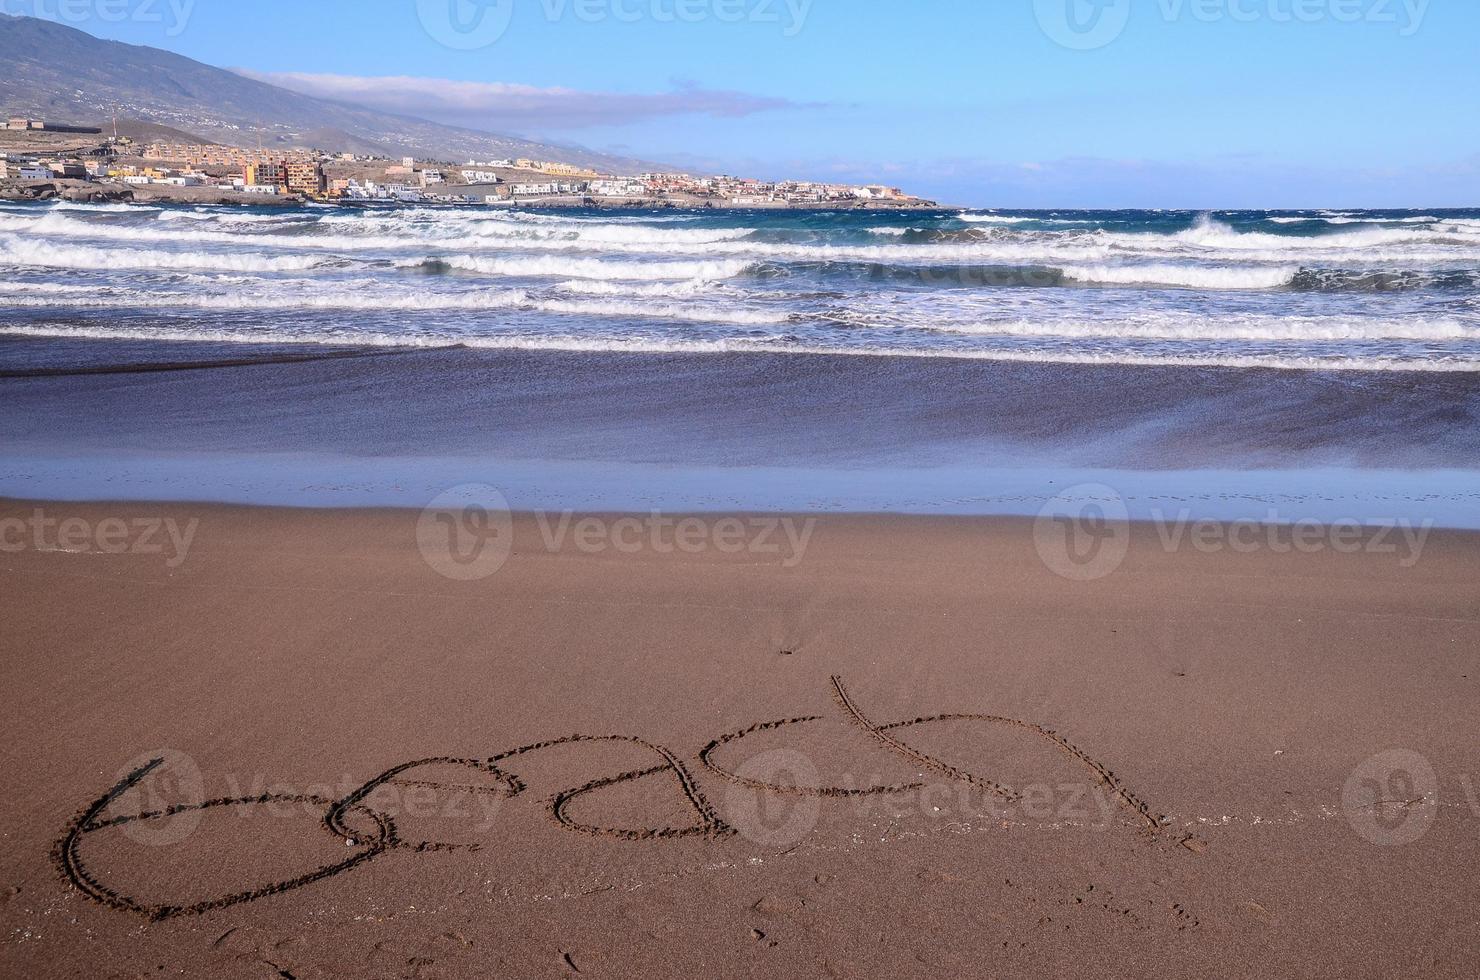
x=60, y=73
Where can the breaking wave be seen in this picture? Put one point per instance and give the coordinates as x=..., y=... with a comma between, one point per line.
x=1318, y=289
x=27, y=252
x=1189, y=276
x=577, y=268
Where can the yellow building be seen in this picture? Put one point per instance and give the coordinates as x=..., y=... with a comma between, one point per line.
x=264, y=174
x=213, y=155
x=566, y=170
x=304, y=177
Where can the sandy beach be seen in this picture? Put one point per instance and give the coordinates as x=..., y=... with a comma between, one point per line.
x=904, y=747
x=739, y=489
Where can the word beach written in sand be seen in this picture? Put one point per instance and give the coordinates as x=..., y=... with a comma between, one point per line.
x=369, y=831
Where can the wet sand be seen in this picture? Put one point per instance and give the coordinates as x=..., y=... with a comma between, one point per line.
x=361, y=749
x=729, y=410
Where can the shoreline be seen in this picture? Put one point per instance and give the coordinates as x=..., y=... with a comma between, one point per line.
x=82, y=191
x=1135, y=526
x=729, y=430
x=377, y=347
x=1430, y=500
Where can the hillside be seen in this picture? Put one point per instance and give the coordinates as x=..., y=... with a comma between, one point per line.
x=61, y=73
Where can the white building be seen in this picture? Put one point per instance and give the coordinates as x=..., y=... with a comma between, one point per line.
x=617, y=188
x=34, y=173
x=479, y=177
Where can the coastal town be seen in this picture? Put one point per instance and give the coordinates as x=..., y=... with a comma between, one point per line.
x=39, y=159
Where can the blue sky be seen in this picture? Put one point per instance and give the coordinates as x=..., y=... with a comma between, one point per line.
x=1172, y=103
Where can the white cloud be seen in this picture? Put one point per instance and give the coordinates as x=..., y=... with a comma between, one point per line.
x=503, y=106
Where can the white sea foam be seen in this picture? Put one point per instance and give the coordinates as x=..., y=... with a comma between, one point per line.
x=376, y=235
x=582, y=268
x=1189, y=276
x=12, y=287
x=306, y=299
x=666, y=311
x=1211, y=233
x=378, y=301
x=992, y=219
x=27, y=252
x=262, y=237
x=1214, y=291
x=1335, y=362
x=1421, y=220
x=102, y=208
x=1323, y=330
x=638, y=235
x=1450, y=244
x=608, y=287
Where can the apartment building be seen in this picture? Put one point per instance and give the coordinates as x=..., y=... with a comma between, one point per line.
x=304, y=177
x=265, y=175
x=617, y=188
x=212, y=155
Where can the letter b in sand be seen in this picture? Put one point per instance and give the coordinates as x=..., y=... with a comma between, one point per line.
x=467, y=533
x=1083, y=534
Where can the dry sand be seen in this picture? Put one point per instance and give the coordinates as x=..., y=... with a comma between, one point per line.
x=299, y=658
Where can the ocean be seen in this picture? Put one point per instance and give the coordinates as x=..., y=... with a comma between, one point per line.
x=758, y=358
x=1360, y=290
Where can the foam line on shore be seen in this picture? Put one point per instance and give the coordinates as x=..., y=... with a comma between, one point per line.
x=759, y=346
